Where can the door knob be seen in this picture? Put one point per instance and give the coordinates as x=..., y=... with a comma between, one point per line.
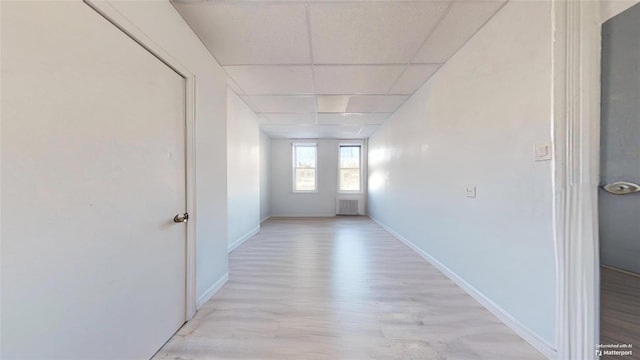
x=621, y=188
x=181, y=218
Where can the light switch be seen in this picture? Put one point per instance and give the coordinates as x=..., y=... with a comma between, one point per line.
x=542, y=151
x=471, y=191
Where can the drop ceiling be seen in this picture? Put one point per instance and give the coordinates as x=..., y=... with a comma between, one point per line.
x=331, y=69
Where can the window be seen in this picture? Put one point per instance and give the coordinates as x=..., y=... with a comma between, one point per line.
x=349, y=171
x=304, y=167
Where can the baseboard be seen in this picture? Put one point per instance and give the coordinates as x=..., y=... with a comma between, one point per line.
x=523, y=331
x=207, y=295
x=265, y=219
x=626, y=272
x=233, y=245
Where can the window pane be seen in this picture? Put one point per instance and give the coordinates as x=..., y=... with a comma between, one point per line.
x=349, y=172
x=305, y=180
x=305, y=156
x=350, y=179
x=350, y=156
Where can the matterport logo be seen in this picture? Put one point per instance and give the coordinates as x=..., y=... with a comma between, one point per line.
x=614, y=350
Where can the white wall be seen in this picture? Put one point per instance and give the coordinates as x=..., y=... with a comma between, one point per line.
x=160, y=22
x=265, y=176
x=475, y=123
x=243, y=171
x=611, y=8
x=284, y=202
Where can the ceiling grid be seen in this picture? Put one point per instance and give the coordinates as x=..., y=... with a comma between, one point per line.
x=334, y=69
x=313, y=73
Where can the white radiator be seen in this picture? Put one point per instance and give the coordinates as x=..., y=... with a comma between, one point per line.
x=346, y=207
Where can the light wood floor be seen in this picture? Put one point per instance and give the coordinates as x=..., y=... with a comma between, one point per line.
x=339, y=288
x=620, y=310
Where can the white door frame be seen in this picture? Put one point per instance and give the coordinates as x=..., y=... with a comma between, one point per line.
x=576, y=136
x=105, y=9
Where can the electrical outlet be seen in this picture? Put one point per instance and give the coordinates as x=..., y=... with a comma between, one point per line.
x=542, y=151
x=471, y=191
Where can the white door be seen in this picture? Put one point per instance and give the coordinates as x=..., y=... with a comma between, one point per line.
x=93, y=172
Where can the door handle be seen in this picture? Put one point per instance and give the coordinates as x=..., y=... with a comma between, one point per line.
x=621, y=188
x=181, y=218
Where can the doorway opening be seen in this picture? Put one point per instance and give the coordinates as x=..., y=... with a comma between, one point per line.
x=619, y=192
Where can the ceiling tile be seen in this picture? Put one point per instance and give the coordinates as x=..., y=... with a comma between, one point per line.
x=339, y=132
x=278, y=119
x=280, y=103
x=461, y=22
x=375, y=103
x=413, y=77
x=332, y=103
x=291, y=131
x=339, y=128
x=272, y=79
x=375, y=33
x=352, y=118
x=355, y=79
x=250, y=33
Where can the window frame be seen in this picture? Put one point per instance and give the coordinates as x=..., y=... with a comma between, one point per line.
x=360, y=168
x=294, y=146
